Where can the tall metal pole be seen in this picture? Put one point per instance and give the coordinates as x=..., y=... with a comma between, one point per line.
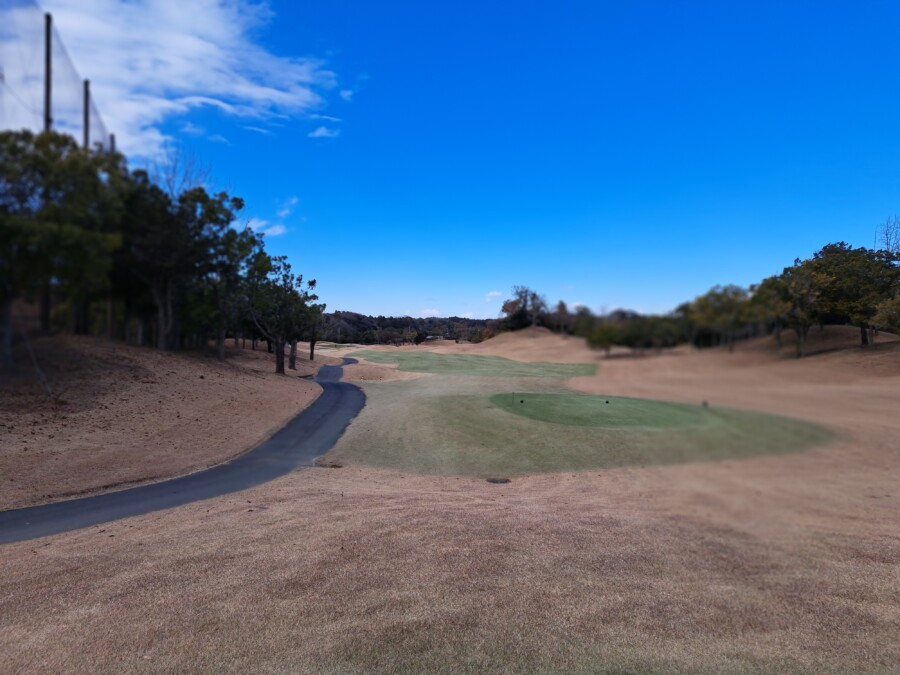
x=87, y=114
x=48, y=71
x=112, y=143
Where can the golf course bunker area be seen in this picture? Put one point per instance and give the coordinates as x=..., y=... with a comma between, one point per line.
x=473, y=364
x=515, y=433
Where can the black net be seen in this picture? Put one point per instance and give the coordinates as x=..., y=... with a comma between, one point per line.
x=22, y=78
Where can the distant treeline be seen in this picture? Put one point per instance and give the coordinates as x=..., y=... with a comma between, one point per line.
x=838, y=285
x=157, y=260
x=101, y=249
x=363, y=329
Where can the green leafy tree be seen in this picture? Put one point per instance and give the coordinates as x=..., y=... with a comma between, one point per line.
x=59, y=212
x=604, y=336
x=803, y=291
x=720, y=311
x=277, y=300
x=769, y=305
x=853, y=282
x=888, y=315
x=525, y=308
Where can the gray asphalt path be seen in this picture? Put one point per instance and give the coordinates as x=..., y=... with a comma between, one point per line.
x=309, y=435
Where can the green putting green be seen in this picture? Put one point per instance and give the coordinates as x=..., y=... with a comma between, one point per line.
x=415, y=427
x=471, y=364
x=608, y=412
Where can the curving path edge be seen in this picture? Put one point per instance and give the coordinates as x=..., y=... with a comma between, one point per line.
x=309, y=435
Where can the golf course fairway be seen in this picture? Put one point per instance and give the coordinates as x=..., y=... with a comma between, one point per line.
x=427, y=426
x=473, y=364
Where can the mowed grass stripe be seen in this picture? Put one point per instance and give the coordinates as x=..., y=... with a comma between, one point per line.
x=471, y=434
x=609, y=412
x=472, y=364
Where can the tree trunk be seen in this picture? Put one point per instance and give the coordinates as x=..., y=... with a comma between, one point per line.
x=778, y=336
x=160, y=326
x=253, y=343
x=110, y=319
x=124, y=334
x=6, y=357
x=46, y=306
x=801, y=343
x=863, y=335
x=82, y=316
x=220, y=340
x=165, y=323
x=269, y=347
x=279, y=356
x=312, y=348
x=292, y=362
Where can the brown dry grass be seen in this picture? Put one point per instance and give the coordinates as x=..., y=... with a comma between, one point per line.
x=770, y=564
x=132, y=415
x=372, y=372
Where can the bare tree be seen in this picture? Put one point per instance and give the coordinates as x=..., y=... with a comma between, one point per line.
x=178, y=170
x=890, y=235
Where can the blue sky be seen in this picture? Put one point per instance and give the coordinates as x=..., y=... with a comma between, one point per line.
x=417, y=156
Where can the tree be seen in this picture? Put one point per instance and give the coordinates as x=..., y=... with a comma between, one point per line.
x=769, y=305
x=853, y=281
x=604, y=336
x=58, y=222
x=277, y=301
x=562, y=318
x=802, y=290
x=25, y=240
x=890, y=235
x=888, y=315
x=526, y=307
x=720, y=311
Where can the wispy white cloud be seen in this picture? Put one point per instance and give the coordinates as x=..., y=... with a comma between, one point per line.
x=324, y=132
x=150, y=61
x=429, y=312
x=218, y=138
x=192, y=129
x=275, y=231
x=346, y=94
x=259, y=130
x=490, y=295
x=264, y=227
x=288, y=207
x=326, y=118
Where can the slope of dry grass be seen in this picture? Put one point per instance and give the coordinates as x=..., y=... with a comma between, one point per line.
x=127, y=415
x=769, y=564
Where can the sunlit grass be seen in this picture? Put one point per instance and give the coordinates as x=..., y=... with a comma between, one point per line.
x=428, y=426
x=470, y=364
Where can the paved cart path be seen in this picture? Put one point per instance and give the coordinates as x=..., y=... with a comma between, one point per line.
x=309, y=435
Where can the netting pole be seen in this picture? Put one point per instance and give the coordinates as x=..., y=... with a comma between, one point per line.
x=112, y=143
x=46, y=299
x=48, y=70
x=87, y=114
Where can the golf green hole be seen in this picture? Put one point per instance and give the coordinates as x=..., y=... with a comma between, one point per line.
x=420, y=428
x=601, y=411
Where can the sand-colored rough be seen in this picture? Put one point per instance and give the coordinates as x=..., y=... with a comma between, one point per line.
x=770, y=564
x=528, y=344
x=372, y=372
x=131, y=415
